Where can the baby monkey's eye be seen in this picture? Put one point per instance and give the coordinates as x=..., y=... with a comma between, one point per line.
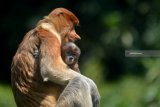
x=69, y=53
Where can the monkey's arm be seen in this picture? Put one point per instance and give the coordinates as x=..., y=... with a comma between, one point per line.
x=52, y=67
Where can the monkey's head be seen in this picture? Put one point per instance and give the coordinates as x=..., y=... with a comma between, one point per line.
x=70, y=53
x=64, y=22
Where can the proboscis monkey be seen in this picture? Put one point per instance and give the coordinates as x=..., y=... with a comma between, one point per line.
x=70, y=53
x=44, y=80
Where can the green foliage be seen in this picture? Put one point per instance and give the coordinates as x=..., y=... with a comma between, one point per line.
x=6, y=96
x=129, y=92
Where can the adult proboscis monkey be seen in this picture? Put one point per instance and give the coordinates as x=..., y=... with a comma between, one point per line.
x=44, y=80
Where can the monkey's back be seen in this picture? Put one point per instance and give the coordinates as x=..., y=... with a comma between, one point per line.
x=27, y=84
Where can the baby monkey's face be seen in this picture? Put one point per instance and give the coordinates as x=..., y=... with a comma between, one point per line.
x=70, y=53
x=71, y=58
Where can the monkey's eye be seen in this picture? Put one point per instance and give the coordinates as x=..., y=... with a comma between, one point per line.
x=69, y=53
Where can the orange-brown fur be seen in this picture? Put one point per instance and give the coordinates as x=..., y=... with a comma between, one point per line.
x=29, y=86
x=43, y=79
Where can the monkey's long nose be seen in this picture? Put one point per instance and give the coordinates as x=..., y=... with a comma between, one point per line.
x=77, y=37
x=74, y=36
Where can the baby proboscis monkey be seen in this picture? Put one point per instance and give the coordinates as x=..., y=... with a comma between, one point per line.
x=70, y=54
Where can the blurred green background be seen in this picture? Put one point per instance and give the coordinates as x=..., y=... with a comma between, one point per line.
x=107, y=28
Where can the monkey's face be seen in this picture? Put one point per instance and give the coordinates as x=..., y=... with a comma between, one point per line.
x=70, y=36
x=70, y=53
x=71, y=58
x=65, y=24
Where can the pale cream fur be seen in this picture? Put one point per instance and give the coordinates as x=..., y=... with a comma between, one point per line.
x=51, y=29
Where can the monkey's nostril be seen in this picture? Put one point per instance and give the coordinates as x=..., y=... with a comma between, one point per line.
x=71, y=58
